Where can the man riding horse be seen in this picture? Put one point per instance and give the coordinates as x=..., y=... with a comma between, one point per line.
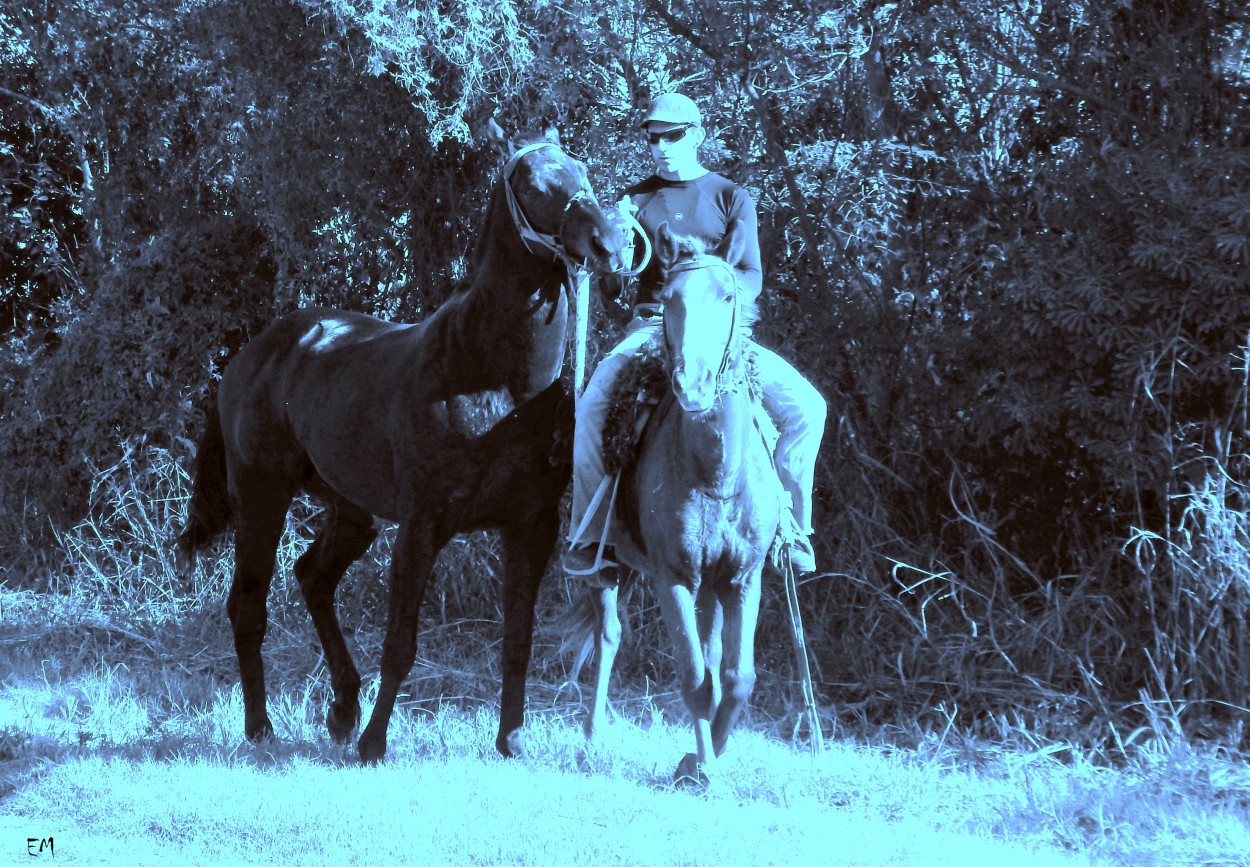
x=700, y=203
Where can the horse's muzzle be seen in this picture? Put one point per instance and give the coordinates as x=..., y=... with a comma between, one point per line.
x=695, y=389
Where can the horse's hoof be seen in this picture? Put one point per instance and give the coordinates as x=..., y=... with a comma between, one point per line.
x=585, y=763
x=184, y=561
x=690, y=774
x=593, y=728
x=341, y=725
x=371, y=751
x=511, y=745
x=259, y=731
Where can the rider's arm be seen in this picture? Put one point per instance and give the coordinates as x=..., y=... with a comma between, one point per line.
x=750, y=272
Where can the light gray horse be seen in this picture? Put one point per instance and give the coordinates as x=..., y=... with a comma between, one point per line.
x=701, y=503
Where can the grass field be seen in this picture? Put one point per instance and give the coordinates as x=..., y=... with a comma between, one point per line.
x=121, y=739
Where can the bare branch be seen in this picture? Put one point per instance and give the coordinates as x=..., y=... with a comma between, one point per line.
x=21, y=97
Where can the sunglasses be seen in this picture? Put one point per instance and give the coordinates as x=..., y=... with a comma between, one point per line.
x=672, y=136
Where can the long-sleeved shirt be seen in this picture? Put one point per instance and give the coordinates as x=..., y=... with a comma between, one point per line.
x=703, y=208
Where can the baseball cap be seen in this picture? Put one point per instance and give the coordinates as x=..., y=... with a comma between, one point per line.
x=669, y=110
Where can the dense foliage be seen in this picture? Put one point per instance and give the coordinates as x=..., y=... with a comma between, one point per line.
x=1009, y=241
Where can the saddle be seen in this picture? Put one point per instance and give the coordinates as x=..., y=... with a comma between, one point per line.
x=635, y=395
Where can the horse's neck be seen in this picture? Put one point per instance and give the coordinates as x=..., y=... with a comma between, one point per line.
x=714, y=443
x=515, y=312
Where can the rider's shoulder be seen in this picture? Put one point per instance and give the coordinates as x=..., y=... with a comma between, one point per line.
x=646, y=186
x=715, y=182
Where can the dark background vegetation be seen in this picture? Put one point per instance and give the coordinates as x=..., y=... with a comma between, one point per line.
x=1009, y=241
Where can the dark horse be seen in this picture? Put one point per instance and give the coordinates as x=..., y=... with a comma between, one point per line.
x=705, y=500
x=445, y=426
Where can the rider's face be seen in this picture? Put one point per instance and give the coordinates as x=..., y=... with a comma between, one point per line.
x=674, y=149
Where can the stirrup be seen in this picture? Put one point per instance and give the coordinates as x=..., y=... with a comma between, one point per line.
x=587, y=558
x=791, y=546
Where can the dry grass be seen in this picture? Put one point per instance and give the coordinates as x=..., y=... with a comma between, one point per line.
x=121, y=682
x=143, y=760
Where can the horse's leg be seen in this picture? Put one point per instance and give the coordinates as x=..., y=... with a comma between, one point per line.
x=607, y=642
x=411, y=561
x=742, y=610
x=348, y=532
x=528, y=550
x=677, y=605
x=711, y=617
x=261, y=503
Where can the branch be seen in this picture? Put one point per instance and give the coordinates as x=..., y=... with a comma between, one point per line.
x=1053, y=81
x=21, y=97
x=679, y=28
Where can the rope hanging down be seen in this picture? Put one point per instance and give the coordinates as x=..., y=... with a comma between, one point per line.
x=817, y=738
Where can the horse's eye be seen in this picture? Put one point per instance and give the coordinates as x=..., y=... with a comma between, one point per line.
x=729, y=298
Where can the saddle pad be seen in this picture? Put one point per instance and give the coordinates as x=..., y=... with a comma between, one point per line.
x=638, y=389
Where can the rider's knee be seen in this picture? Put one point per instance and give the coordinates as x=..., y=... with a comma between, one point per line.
x=815, y=409
x=801, y=409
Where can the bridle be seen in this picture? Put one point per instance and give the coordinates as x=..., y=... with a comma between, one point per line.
x=546, y=244
x=543, y=244
x=694, y=264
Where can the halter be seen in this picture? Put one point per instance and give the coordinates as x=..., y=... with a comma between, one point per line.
x=530, y=236
x=708, y=261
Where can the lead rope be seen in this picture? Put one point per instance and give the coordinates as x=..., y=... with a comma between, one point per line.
x=816, y=736
x=579, y=282
x=627, y=209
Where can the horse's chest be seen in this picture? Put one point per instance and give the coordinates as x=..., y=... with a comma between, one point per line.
x=706, y=510
x=472, y=415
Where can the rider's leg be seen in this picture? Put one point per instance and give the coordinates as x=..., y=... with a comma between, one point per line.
x=588, y=471
x=798, y=410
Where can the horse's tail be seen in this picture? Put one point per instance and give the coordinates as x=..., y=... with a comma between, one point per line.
x=580, y=623
x=208, y=514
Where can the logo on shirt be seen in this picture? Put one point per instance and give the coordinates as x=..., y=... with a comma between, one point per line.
x=679, y=216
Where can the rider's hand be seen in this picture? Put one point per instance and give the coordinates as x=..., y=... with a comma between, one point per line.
x=618, y=219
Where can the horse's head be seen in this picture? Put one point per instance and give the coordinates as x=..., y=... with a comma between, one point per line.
x=555, y=209
x=702, y=312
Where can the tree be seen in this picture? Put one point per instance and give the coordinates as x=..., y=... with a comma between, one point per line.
x=1007, y=241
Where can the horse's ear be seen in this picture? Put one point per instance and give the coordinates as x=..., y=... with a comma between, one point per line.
x=491, y=135
x=734, y=244
x=551, y=134
x=666, y=247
